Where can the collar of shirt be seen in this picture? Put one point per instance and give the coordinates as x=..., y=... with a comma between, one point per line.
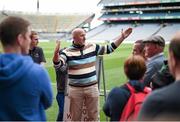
x=155, y=56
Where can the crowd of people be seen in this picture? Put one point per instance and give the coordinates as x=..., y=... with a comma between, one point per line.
x=26, y=92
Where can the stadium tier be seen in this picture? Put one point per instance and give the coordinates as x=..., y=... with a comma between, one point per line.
x=106, y=32
x=109, y=32
x=146, y=17
x=52, y=26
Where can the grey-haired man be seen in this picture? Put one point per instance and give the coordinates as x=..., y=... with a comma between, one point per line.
x=154, y=47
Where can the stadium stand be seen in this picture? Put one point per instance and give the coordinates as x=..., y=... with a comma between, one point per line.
x=147, y=17
x=106, y=32
x=52, y=26
x=169, y=30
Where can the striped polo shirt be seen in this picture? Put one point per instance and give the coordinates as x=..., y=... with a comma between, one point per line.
x=81, y=62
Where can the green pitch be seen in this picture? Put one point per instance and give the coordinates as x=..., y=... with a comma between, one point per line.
x=113, y=66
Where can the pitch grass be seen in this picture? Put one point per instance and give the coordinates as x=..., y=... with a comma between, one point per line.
x=113, y=68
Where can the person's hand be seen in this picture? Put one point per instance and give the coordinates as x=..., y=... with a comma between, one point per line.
x=57, y=48
x=126, y=33
x=56, y=51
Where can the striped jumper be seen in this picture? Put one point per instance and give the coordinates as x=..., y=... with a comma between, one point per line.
x=82, y=61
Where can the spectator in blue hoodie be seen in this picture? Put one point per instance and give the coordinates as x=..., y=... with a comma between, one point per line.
x=25, y=90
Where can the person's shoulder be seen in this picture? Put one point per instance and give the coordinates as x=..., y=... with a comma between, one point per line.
x=162, y=94
x=88, y=44
x=171, y=89
x=37, y=69
x=68, y=49
x=159, y=58
x=154, y=62
x=118, y=94
x=39, y=73
x=118, y=89
x=38, y=48
x=155, y=98
x=115, y=89
x=33, y=68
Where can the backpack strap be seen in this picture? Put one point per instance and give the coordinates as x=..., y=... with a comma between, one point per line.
x=147, y=90
x=131, y=89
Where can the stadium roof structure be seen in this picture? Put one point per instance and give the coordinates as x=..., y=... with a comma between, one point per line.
x=146, y=17
x=52, y=23
x=133, y=2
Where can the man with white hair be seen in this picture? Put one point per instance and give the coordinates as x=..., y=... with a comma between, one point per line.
x=154, y=47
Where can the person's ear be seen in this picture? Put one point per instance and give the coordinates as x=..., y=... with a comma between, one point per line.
x=173, y=59
x=20, y=39
x=171, y=62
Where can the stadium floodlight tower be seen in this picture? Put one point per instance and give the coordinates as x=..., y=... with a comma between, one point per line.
x=37, y=6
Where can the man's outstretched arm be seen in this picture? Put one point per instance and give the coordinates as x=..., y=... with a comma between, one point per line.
x=123, y=36
x=107, y=49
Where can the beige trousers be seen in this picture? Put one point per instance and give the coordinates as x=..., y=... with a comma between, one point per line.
x=90, y=96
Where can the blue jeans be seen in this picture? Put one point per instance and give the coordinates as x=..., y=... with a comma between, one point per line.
x=60, y=101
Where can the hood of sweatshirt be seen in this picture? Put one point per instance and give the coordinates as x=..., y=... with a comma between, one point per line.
x=13, y=67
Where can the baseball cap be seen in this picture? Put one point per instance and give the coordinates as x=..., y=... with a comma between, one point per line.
x=155, y=39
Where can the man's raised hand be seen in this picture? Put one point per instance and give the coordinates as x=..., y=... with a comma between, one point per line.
x=126, y=33
x=56, y=51
x=57, y=48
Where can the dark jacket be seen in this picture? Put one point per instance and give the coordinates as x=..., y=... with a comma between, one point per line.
x=118, y=98
x=61, y=78
x=37, y=55
x=162, y=104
